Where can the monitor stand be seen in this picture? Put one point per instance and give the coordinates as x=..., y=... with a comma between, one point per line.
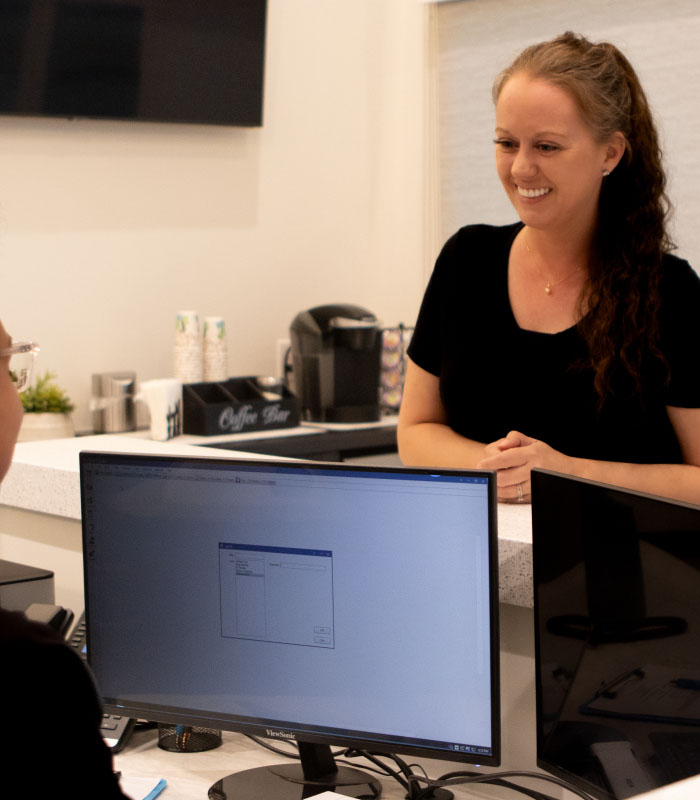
x=316, y=773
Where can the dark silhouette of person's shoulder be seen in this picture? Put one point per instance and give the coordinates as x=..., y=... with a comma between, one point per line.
x=51, y=716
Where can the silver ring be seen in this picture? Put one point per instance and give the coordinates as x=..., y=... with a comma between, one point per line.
x=519, y=487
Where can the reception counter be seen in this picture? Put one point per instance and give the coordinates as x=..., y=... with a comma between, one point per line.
x=42, y=489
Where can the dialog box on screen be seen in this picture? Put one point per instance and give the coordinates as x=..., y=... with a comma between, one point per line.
x=276, y=594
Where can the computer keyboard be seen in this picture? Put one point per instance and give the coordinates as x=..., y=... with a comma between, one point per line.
x=77, y=637
x=115, y=729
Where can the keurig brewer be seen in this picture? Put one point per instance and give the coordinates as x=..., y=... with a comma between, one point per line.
x=336, y=351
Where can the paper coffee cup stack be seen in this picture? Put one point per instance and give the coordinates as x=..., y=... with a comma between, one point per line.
x=215, y=355
x=188, y=356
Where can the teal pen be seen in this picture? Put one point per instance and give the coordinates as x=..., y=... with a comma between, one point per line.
x=162, y=783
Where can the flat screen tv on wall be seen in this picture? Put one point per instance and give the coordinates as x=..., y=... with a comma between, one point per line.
x=188, y=61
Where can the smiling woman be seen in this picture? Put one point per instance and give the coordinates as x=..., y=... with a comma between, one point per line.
x=567, y=340
x=549, y=162
x=551, y=165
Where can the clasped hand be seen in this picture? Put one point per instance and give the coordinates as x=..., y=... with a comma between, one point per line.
x=513, y=457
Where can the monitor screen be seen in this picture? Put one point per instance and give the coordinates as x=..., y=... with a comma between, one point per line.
x=617, y=628
x=152, y=60
x=322, y=603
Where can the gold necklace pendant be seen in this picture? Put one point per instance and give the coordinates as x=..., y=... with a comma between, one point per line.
x=548, y=284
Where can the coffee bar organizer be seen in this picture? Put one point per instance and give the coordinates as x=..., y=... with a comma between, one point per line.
x=237, y=405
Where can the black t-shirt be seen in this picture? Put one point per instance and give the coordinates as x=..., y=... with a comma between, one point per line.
x=50, y=742
x=496, y=377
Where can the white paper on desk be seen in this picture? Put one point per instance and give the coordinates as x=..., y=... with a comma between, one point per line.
x=328, y=796
x=141, y=788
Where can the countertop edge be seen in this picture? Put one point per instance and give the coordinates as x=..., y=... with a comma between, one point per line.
x=44, y=477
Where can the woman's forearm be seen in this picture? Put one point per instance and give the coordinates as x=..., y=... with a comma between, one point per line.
x=433, y=444
x=425, y=439
x=517, y=454
x=676, y=481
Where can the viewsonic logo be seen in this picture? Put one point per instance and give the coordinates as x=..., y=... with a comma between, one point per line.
x=280, y=734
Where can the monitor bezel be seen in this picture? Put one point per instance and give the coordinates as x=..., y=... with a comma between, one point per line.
x=284, y=730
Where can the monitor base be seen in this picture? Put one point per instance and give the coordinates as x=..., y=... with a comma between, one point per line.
x=286, y=782
x=439, y=794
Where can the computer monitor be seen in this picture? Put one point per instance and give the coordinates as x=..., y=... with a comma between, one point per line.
x=319, y=603
x=617, y=630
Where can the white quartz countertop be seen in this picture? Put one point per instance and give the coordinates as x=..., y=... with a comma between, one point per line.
x=45, y=477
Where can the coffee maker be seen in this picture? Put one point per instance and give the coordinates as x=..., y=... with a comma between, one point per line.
x=336, y=353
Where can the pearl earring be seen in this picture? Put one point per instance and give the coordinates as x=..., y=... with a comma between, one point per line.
x=606, y=172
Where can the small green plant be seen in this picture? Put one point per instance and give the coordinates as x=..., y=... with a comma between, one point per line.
x=45, y=397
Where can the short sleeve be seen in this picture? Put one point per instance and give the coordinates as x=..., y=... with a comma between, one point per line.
x=425, y=346
x=680, y=333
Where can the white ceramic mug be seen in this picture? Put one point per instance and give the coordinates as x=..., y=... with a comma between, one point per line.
x=163, y=396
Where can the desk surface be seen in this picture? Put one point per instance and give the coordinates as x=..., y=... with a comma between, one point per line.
x=189, y=775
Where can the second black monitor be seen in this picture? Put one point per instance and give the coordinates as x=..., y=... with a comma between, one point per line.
x=617, y=620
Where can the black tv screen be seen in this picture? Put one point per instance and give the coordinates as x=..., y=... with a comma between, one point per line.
x=191, y=61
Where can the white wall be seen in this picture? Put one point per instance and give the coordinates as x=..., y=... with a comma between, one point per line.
x=107, y=229
x=480, y=37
